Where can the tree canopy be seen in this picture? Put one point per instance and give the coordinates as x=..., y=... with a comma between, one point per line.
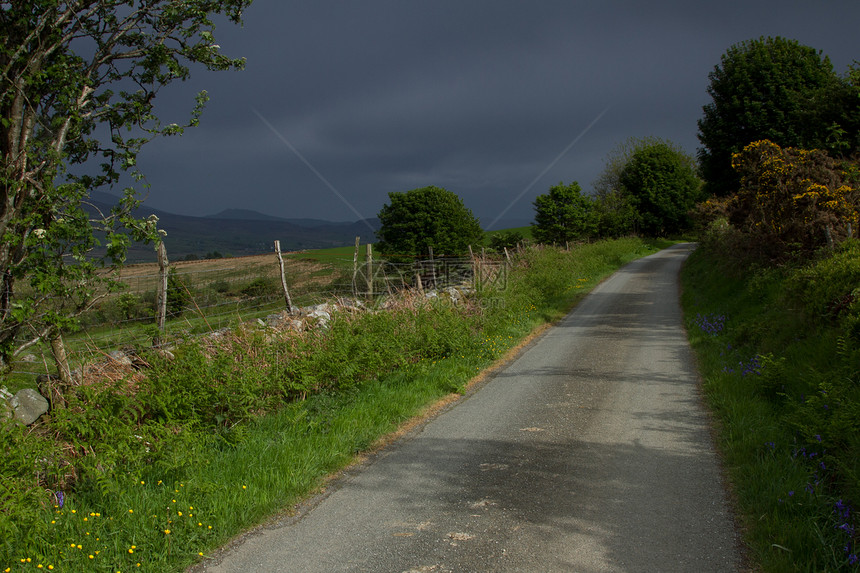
x=775, y=89
x=564, y=214
x=428, y=217
x=78, y=82
x=662, y=185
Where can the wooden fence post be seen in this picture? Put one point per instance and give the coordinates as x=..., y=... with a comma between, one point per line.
x=355, y=269
x=163, y=269
x=58, y=349
x=283, y=277
x=369, y=272
x=476, y=281
x=433, y=269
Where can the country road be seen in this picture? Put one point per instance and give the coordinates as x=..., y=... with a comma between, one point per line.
x=590, y=452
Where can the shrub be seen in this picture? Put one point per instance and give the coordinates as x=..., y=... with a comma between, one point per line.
x=260, y=286
x=506, y=239
x=792, y=199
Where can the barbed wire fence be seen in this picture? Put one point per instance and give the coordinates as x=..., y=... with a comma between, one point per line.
x=200, y=297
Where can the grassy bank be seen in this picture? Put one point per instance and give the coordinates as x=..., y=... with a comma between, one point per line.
x=779, y=350
x=151, y=470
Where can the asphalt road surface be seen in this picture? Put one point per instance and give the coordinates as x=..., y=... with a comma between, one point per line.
x=590, y=452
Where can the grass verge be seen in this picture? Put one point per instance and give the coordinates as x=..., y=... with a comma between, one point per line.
x=779, y=352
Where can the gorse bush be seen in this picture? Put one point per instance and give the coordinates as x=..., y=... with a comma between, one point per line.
x=792, y=199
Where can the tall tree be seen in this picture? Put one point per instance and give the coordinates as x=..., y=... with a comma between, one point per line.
x=77, y=86
x=427, y=217
x=614, y=205
x=661, y=182
x=564, y=214
x=770, y=88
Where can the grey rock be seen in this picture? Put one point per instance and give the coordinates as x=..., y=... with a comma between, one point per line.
x=352, y=304
x=456, y=295
x=120, y=357
x=28, y=405
x=218, y=333
x=166, y=354
x=322, y=312
x=277, y=320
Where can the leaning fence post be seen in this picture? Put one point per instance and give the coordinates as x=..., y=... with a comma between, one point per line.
x=433, y=269
x=58, y=349
x=163, y=269
x=476, y=281
x=355, y=269
x=369, y=272
x=283, y=277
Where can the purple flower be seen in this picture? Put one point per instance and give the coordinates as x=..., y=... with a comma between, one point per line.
x=61, y=498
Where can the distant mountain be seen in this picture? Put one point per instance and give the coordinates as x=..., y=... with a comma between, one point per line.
x=243, y=214
x=232, y=235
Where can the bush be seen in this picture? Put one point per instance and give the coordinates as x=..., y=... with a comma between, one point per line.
x=792, y=201
x=505, y=240
x=260, y=286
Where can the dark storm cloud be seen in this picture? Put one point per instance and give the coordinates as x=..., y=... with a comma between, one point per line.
x=477, y=97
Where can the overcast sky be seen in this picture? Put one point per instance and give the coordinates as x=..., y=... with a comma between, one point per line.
x=342, y=102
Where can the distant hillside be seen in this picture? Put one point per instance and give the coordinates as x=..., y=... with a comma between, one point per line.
x=243, y=214
x=250, y=215
x=232, y=235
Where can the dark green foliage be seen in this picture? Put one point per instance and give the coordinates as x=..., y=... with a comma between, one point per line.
x=616, y=214
x=429, y=217
x=506, y=240
x=776, y=89
x=564, y=214
x=662, y=187
x=178, y=295
x=260, y=286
